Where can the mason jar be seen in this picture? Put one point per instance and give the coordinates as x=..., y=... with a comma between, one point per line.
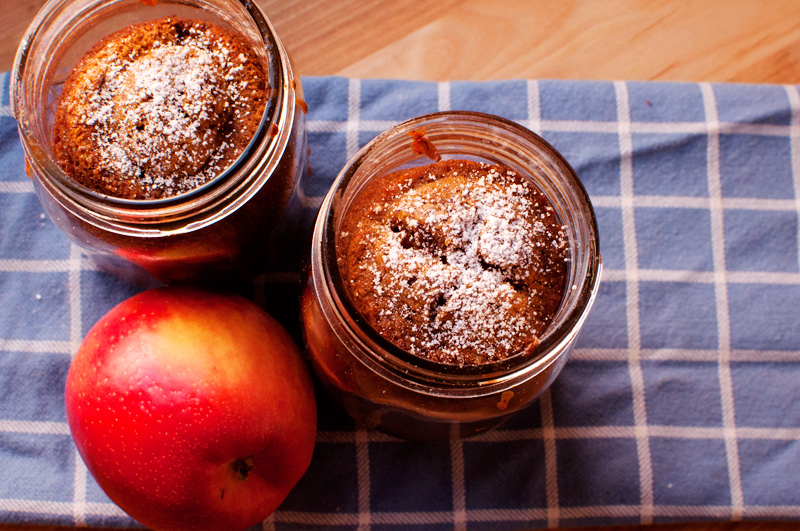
x=390, y=389
x=227, y=228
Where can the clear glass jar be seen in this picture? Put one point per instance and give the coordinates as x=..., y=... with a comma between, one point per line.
x=225, y=229
x=389, y=389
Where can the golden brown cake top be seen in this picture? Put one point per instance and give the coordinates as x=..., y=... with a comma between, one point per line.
x=459, y=262
x=159, y=108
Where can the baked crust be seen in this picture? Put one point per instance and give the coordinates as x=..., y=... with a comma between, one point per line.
x=159, y=108
x=458, y=262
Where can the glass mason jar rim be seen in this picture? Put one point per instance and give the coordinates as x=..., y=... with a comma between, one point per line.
x=134, y=212
x=425, y=372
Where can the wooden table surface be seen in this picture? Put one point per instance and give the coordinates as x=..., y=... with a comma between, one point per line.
x=753, y=41
x=680, y=40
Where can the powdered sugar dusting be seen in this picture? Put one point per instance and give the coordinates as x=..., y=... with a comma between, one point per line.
x=158, y=112
x=456, y=264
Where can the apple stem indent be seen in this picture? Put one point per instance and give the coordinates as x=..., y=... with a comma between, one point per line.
x=242, y=467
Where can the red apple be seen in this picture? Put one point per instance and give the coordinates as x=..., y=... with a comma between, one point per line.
x=193, y=410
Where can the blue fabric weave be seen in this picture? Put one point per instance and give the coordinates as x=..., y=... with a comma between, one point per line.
x=681, y=401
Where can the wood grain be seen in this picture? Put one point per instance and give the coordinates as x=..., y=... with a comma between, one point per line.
x=668, y=40
x=677, y=40
x=17, y=15
x=607, y=39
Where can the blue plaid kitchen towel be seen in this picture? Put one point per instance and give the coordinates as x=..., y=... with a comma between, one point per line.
x=681, y=401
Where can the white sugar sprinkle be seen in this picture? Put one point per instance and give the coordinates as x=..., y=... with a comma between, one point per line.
x=155, y=118
x=468, y=255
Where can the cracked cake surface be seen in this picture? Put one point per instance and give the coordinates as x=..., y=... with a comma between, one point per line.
x=159, y=108
x=458, y=262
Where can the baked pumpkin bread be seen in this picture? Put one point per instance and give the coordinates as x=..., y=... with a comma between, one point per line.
x=458, y=262
x=159, y=108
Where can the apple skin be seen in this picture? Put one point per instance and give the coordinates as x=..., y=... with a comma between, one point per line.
x=193, y=410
